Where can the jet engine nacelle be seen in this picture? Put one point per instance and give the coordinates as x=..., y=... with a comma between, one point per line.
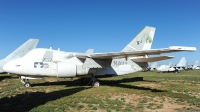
x=66, y=69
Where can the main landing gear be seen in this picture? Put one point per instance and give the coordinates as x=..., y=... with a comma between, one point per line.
x=93, y=81
x=25, y=82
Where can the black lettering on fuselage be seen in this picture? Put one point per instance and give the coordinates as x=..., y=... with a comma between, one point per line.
x=118, y=63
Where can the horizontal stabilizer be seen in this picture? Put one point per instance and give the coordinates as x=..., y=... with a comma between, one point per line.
x=152, y=59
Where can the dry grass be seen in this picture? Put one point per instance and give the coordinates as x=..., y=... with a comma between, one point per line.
x=156, y=92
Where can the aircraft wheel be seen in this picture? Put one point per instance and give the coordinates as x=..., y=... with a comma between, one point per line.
x=27, y=84
x=95, y=84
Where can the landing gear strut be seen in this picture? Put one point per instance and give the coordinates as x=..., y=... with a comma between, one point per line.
x=26, y=82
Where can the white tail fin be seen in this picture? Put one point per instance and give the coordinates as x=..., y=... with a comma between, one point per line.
x=170, y=64
x=154, y=65
x=142, y=41
x=182, y=62
x=23, y=49
x=195, y=65
x=89, y=51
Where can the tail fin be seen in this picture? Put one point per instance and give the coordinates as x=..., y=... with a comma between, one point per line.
x=23, y=49
x=196, y=64
x=142, y=41
x=170, y=64
x=182, y=62
x=89, y=51
x=154, y=65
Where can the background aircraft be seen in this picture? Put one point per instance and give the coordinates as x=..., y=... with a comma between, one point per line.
x=181, y=65
x=134, y=57
x=173, y=68
x=153, y=66
x=19, y=52
x=166, y=68
x=195, y=66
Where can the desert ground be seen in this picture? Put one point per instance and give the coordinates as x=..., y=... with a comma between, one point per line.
x=137, y=92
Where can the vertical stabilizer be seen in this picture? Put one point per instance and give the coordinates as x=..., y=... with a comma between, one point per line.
x=170, y=64
x=89, y=51
x=196, y=64
x=23, y=49
x=182, y=62
x=154, y=65
x=142, y=41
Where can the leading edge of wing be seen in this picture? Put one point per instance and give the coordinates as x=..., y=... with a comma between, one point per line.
x=110, y=55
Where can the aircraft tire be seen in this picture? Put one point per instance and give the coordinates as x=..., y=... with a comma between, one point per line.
x=96, y=84
x=27, y=84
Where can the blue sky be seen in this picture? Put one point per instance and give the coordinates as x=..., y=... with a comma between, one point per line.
x=104, y=25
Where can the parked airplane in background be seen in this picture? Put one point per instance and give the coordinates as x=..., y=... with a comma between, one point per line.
x=166, y=68
x=196, y=65
x=154, y=66
x=181, y=65
x=19, y=52
x=42, y=62
x=173, y=68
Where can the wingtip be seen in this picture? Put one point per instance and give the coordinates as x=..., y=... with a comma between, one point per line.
x=150, y=27
x=183, y=48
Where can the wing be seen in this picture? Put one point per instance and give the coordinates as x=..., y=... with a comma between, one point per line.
x=152, y=59
x=23, y=49
x=111, y=55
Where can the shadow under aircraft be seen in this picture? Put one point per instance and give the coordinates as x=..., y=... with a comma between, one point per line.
x=7, y=77
x=29, y=100
x=116, y=83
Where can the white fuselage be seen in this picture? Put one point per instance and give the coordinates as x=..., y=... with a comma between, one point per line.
x=165, y=68
x=45, y=62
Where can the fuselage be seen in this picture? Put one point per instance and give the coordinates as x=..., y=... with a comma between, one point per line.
x=165, y=68
x=47, y=62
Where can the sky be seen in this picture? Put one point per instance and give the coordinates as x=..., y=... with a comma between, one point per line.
x=103, y=25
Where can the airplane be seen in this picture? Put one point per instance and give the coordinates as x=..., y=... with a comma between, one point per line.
x=166, y=68
x=181, y=65
x=154, y=66
x=173, y=68
x=196, y=65
x=89, y=66
x=19, y=52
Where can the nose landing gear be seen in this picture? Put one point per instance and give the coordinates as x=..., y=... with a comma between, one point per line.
x=26, y=82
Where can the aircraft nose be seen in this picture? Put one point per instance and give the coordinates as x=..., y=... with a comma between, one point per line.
x=10, y=67
x=7, y=67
